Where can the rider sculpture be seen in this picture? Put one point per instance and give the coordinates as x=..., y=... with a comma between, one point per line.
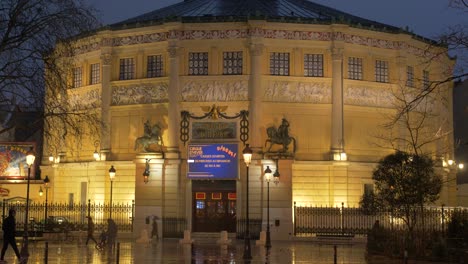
x=280, y=136
x=152, y=135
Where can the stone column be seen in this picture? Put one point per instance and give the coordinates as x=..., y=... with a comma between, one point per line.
x=173, y=109
x=106, y=100
x=255, y=97
x=337, y=138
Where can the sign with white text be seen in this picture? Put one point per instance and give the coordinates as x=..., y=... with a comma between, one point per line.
x=213, y=161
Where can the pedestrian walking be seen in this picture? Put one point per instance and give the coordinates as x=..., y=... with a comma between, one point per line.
x=154, y=230
x=90, y=231
x=111, y=233
x=9, y=233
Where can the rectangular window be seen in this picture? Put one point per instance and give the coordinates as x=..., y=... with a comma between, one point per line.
x=426, y=81
x=409, y=76
x=127, y=69
x=355, y=68
x=232, y=63
x=77, y=77
x=95, y=73
x=154, y=66
x=198, y=63
x=279, y=63
x=381, y=71
x=313, y=65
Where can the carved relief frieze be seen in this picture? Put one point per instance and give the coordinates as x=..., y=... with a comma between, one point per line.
x=255, y=32
x=87, y=100
x=140, y=39
x=87, y=48
x=298, y=92
x=368, y=96
x=208, y=91
x=140, y=94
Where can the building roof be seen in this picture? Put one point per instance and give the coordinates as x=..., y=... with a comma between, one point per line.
x=292, y=11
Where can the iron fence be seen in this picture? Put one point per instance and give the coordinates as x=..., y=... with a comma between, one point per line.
x=72, y=216
x=349, y=221
x=174, y=227
x=255, y=226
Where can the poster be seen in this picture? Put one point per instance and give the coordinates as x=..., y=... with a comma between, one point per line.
x=213, y=161
x=13, y=160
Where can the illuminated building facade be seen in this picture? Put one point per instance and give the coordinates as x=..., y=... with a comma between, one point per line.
x=221, y=74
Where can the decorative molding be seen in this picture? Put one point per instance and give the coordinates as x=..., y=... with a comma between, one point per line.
x=140, y=94
x=106, y=59
x=86, y=100
x=256, y=49
x=257, y=33
x=173, y=52
x=87, y=48
x=337, y=53
x=211, y=91
x=140, y=39
x=214, y=112
x=298, y=92
x=368, y=96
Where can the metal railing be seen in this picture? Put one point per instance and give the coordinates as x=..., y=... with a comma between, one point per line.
x=73, y=215
x=312, y=220
x=255, y=226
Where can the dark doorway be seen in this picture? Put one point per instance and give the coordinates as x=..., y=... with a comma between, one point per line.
x=214, y=206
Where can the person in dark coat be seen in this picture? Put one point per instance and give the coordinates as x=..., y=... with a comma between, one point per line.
x=90, y=231
x=111, y=233
x=9, y=233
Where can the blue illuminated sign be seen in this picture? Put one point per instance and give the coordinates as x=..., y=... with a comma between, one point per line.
x=212, y=161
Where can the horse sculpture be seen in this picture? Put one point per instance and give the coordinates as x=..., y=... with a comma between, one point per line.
x=152, y=136
x=280, y=136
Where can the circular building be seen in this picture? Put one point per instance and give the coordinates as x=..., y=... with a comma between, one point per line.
x=319, y=96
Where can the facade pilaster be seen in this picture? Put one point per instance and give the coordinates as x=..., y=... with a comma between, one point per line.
x=173, y=93
x=255, y=96
x=106, y=100
x=337, y=137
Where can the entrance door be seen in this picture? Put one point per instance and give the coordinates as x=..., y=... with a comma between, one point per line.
x=214, y=206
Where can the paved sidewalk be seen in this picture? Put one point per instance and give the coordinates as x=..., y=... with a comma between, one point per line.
x=170, y=251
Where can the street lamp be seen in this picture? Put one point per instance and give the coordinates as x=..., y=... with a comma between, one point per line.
x=46, y=187
x=146, y=173
x=30, y=157
x=111, y=177
x=247, y=153
x=268, y=175
x=96, y=154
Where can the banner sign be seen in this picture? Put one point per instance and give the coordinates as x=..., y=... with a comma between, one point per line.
x=13, y=160
x=213, y=161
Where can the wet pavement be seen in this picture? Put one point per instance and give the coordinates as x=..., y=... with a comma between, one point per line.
x=170, y=251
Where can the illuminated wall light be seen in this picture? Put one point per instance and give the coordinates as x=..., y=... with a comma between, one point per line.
x=340, y=156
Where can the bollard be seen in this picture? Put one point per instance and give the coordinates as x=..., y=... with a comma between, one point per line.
x=118, y=253
x=46, y=252
x=334, y=255
x=405, y=255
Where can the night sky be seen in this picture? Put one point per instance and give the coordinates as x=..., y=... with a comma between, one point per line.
x=425, y=17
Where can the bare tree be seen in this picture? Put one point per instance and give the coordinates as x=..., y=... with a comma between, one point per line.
x=31, y=63
x=454, y=42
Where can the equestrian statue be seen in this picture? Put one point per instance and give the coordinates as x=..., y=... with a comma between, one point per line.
x=280, y=136
x=153, y=135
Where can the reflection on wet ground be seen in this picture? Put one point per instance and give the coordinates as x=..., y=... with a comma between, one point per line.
x=170, y=251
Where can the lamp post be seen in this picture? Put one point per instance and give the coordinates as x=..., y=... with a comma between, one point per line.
x=247, y=153
x=268, y=174
x=46, y=187
x=30, y=157
x=111, y=177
